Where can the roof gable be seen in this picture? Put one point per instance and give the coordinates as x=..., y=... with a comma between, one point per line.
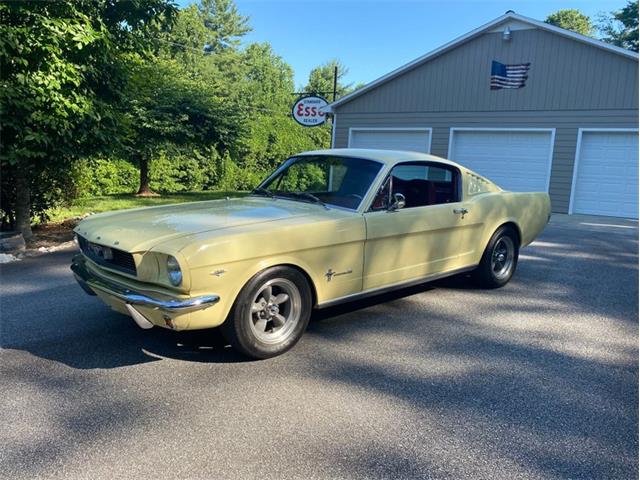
x=513, y=20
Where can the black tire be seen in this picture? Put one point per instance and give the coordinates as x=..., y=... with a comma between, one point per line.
x=263, y=333
x=491, y=272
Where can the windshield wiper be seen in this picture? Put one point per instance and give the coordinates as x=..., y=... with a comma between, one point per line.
x=262, y=191
x=309, y=196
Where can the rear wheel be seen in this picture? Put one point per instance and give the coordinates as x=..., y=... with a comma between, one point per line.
x=270, y=314
x=499, y=260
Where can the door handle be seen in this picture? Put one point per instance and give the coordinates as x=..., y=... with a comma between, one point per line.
x=460, y=211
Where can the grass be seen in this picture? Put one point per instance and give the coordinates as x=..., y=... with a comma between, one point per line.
x=106, y=203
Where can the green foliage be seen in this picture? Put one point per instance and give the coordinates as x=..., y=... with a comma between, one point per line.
x=572, y=19
x=271, y=134
x=268, y=79
x=185, y=41
x=93, y=90
x=621, y=27
x=45, y=86
x=178, y=173
x=271, y=140
x=234, y=177
x=225, y=25
x=304, y=177
x=49, y=189
x=100, y=176
x=618, y=28
x=167, y=107
x=172, y=171
x=190, y=95
x=321, y=79
x=62, y=78
x=106, y=203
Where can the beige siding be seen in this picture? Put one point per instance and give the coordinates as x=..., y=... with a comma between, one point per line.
x=564, y=75
x=566, y=124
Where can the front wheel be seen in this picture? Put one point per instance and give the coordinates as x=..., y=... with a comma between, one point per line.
x=499, y=259
x=270, y=314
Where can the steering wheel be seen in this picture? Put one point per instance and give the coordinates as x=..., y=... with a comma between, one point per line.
x=359, y=197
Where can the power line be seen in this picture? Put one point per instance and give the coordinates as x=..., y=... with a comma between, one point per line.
x=202, y=50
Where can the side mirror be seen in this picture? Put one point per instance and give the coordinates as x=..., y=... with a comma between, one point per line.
x=398, y=202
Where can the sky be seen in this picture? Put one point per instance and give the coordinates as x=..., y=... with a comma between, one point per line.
x=374, y=37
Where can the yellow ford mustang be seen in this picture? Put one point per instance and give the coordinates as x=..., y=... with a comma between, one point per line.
x=326, y=227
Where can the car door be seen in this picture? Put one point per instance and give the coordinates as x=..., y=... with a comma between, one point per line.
x=425, y=236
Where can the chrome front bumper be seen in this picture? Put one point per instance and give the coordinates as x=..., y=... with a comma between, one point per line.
x=90, y=281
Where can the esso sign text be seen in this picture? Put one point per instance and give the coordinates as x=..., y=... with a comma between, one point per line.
x=307, y=111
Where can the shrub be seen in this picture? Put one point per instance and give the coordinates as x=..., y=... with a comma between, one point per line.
x=101, y=176
x=175, y=173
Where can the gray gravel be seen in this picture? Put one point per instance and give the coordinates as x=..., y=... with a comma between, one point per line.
x=535, y=380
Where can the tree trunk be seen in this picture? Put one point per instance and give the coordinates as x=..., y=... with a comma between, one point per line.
x=145, y=189
x=23, y=203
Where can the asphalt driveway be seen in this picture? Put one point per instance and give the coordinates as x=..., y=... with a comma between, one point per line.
x=535, y=380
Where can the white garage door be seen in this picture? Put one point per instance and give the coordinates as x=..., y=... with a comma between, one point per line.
x=606, y=176
x=519, y=161
x=417, y=140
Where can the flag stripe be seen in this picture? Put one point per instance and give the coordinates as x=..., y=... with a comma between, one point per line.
x=518, y=77
x=508, y=80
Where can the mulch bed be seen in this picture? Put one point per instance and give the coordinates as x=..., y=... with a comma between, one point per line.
x=52, y=234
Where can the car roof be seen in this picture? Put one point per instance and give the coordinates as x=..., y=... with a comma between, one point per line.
x=389, y=157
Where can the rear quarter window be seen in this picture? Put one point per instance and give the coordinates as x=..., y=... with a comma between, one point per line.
x=476, y=185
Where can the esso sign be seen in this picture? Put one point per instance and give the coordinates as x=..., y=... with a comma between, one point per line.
x=307, y=111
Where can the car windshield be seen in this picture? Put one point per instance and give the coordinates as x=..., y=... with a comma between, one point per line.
x=325, y=179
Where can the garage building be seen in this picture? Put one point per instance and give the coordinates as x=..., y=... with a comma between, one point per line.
x=564, y=119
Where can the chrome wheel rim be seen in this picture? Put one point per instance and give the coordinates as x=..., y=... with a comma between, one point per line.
x=275, y=310
x=502, y=257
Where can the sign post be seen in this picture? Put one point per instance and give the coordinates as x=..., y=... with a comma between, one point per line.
x=308, y=109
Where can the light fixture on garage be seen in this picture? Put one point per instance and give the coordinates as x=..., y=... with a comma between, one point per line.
x=506, y=35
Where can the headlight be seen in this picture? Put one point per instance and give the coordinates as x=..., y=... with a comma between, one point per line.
x=173, y=269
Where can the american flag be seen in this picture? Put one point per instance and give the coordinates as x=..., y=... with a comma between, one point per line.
x=508, y=76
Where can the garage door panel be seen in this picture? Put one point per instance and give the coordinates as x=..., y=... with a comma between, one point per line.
x=515, y=160
x=606, y=179
x=392, y=139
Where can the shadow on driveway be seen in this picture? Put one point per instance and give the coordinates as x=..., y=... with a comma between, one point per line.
x=539, y=377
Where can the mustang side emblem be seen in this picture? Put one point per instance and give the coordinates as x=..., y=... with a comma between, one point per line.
x=218, y=273
x=330, y=274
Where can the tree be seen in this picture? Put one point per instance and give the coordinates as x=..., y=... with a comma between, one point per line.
x=224, y=23
x=169, y=108
x=140, y=80
x=269, y=79
x=321, y=79
x=62, y=76
x=621, y=28
x=186, y=40
x=190, y=94
x=572, y=19
x=271, y=135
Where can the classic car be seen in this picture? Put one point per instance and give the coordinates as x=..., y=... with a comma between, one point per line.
x=326, y=227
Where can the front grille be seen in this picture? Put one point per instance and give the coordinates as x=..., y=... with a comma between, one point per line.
x=118, y=260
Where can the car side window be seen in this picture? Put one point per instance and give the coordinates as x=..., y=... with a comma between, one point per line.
x=421, y=183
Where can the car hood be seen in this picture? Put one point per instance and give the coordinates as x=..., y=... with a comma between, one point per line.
x=141, y=229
